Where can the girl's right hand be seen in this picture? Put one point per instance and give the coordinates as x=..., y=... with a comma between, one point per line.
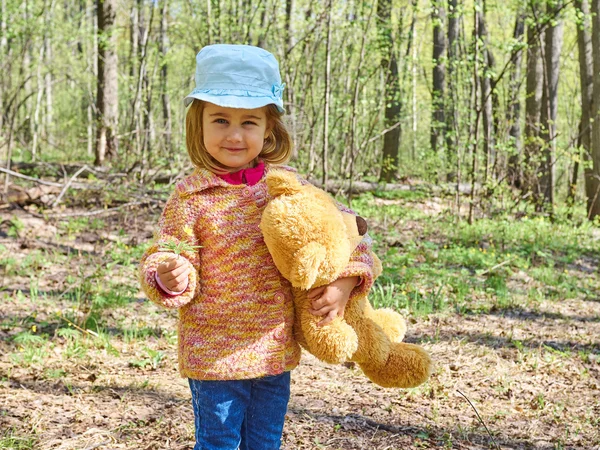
x=173, y=273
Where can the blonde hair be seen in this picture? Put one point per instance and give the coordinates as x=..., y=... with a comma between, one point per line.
x=276, y=150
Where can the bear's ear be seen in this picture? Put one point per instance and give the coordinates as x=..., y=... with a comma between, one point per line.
x=282, y=182
x=306, y=265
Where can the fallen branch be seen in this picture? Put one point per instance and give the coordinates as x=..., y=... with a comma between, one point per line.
x=99, y=211
x=25, y=177
x=64, y=189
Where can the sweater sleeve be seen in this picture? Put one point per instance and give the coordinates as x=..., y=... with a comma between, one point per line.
x=363, y=262
x=175, y=226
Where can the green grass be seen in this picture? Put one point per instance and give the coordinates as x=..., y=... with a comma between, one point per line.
x=9, y=440
x=442, y=263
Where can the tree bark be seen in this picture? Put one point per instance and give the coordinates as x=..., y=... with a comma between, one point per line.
x=391, y=140
x=514, y=108
x=438, y=119
x=107, y=94
x=594, y=201
x=586, y=81
x=166, y=102
x=533, y=104
x=327, y=94
x=451, y=95
x=552, y=50
x=3, y=55
x=486, y=97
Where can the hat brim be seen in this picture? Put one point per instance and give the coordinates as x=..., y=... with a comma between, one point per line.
x=233, y=101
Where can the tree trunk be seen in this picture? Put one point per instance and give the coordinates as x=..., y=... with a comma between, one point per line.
x=552, y=50
x=438, y=119
x=134, y=41
x=391, y=140
x=586, y=77
x=533, y=104
x=166, y=102
x=486, y=97
x=3, y=54
x=107, y=96
x=48, y=58
x=513, y=115
x=594, y=201
x=327, y=94
x=451, y=95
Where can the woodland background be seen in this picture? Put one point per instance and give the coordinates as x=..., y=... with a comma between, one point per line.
x=500, y=96
x=466, y=132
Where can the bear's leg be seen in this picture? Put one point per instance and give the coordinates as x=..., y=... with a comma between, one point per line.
x=373, y=343
x=392, y=323
x=408, y=366
x=333, y=343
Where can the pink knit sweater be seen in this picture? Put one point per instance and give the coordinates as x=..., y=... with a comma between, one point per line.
x=236, y=315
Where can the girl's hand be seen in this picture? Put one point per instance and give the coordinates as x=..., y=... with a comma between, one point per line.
x=330, y=301
x=173, y=273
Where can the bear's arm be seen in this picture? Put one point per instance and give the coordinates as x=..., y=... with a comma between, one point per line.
x=175, y=226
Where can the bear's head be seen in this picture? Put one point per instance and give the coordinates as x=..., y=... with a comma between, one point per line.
x=309, y=238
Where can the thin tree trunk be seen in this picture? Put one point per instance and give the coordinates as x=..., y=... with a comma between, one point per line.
x=3, y=54
x=393, y=106
x=514, y=108
x=38, y=103
x=326, y=99
x=134, y=41
x=486, y=97
x=586, y=80
x=476, y=102
x=452, y=86
x=349, y=172
x=92, y=63
x=166, y=102
x=107, y=97
x=48, y=58
x=594, y=201
x=552, y=50
x=438, y=119
x=533, y=105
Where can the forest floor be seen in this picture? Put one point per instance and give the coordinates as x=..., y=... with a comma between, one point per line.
x=86, y=362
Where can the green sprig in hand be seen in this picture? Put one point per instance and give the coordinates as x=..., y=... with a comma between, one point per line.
x=174, y=272
x=178, y=247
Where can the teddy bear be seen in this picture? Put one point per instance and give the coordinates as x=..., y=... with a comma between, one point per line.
x=311, y=240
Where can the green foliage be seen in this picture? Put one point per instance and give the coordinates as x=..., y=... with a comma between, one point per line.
x=153, y=359
x=10, y=440
x=493, y=263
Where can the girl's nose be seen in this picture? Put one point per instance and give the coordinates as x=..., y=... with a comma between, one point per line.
x=235, y=135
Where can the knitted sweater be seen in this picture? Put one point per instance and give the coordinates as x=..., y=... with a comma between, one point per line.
x=236, y=314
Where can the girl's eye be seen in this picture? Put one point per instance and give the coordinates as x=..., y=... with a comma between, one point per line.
x=248, y=122
x=222, y=121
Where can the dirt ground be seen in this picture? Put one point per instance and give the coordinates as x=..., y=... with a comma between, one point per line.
x=520, y=377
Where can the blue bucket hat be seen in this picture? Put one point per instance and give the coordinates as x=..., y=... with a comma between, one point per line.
x=237, y=76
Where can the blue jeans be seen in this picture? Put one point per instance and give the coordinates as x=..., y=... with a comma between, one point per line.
x=244, y=414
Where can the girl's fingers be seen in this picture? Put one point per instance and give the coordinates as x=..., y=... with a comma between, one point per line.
x=176, y=275
x=173, y=273
x=315, y=293
x=329, y=318
x=171, y=264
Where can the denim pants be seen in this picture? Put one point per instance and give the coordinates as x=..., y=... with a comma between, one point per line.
x=244, y=414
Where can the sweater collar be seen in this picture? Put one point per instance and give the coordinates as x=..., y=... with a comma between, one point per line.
x=203, y=179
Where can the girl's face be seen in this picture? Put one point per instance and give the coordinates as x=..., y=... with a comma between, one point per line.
x=234, y=137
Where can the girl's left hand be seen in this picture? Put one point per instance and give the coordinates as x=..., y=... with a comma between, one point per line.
x=330, y=300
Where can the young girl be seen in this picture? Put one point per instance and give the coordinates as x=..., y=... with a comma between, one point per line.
x=236, y=343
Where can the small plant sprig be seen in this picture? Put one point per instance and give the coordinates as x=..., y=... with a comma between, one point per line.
x=178, y=247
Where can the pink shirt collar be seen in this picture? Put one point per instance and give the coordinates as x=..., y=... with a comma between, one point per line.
x=249, y=176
